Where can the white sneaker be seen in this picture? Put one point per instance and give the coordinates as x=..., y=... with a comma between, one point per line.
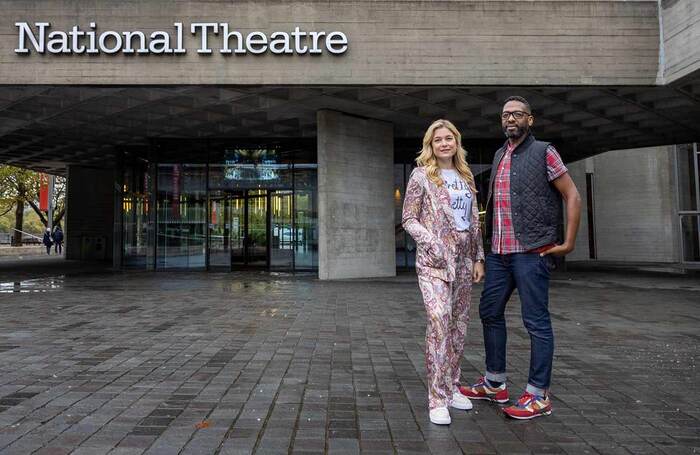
x=440, y=416
x=460, y=401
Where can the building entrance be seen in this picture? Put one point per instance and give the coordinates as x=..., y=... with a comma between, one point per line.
x=240, y=208
x=251, y=229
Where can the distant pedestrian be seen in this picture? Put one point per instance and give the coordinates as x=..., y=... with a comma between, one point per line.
x=58, y=240
x=47, y=241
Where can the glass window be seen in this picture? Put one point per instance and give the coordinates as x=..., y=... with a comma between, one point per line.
x=405, y=245
x=399, y=190
x=135, y=215
x=220, y=235
x=690, y=234
x=688, y=163
x=235, y=168
x=239, y=229
x=221, y=204
x=281, y=230
x=305, y=217
x=182, y=222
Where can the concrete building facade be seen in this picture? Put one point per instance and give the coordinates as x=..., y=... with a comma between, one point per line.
x=218, y=135
x=640, y=206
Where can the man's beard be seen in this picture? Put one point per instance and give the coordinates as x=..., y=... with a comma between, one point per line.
x=519, y=132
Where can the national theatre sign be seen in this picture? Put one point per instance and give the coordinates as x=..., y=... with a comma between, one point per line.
x=41, y=39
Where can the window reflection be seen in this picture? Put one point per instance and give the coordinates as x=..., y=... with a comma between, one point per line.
x=221, y=206
x=181, y=225
x=135, y=213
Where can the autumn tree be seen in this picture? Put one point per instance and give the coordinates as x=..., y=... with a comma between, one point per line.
x=19, y=188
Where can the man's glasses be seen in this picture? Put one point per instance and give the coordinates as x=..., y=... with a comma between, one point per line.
x=517, y=115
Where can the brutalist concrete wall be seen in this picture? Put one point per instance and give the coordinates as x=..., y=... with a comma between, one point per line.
x=355, y=197
x=466, y=42
x=89, y=213
x=681, y=38
x=577, y=171
x=634, y=195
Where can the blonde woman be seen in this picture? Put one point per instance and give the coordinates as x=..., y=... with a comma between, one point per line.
x=441, y=214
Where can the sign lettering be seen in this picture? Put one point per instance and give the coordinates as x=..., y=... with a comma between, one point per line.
x=40, y=39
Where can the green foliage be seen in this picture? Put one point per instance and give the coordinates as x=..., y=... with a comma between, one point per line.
x=32, y=224
x=15, y=185
x=21, y=186
x=7, y=222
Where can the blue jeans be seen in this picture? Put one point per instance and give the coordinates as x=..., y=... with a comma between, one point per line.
x=529, y=273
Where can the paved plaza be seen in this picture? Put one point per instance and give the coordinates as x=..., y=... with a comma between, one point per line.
x=237, y=363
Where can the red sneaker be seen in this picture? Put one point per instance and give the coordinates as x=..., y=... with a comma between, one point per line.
x=529, y=406
x=482, y=391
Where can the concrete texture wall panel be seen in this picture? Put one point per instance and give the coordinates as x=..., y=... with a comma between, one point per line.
x=355, y=197
x=393, y=42
x=681, y=36
x=635, y=205
x=577, y=171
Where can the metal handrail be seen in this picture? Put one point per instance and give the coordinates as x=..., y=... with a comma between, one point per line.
x=27, y=233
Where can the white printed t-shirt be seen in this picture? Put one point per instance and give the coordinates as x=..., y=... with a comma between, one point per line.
x=460, y=197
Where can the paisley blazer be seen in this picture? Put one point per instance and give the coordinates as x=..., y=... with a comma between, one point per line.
x=428, y=218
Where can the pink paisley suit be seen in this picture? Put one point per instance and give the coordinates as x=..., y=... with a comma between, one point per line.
x=444, y=262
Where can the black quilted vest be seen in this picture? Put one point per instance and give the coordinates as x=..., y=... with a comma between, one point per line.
x=536, y=205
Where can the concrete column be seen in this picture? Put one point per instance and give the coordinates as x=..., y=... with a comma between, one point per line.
x=89, y=213
x=355, y=197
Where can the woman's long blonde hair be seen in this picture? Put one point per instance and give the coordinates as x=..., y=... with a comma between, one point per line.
x=426, y=157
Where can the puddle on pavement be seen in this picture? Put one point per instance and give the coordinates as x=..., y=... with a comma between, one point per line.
x=33, y=285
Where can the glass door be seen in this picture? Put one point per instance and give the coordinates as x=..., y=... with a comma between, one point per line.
x=256, y=228
x=249, y=221
x=281, y=230
x=220, y=232
x=252, y=229
x=237, y=233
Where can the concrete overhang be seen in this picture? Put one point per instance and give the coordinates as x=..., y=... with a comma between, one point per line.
x=600, y=74
x=49, y=127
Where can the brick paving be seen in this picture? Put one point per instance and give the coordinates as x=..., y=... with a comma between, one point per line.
x=197, y=363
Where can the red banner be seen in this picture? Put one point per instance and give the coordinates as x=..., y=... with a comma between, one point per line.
x=44, y=192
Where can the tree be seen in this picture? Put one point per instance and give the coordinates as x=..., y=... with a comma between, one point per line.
x=20, y=187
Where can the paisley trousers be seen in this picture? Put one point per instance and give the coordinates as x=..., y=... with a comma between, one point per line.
x=447, y=309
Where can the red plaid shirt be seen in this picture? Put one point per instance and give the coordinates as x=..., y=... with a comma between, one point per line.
x=503, y=240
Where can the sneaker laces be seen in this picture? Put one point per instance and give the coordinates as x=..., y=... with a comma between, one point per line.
x=525, y=399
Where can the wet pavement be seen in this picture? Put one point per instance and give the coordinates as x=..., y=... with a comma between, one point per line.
x=200, y=363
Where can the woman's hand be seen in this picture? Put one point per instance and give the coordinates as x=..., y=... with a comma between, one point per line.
x=437, y=256
x=478, y=272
